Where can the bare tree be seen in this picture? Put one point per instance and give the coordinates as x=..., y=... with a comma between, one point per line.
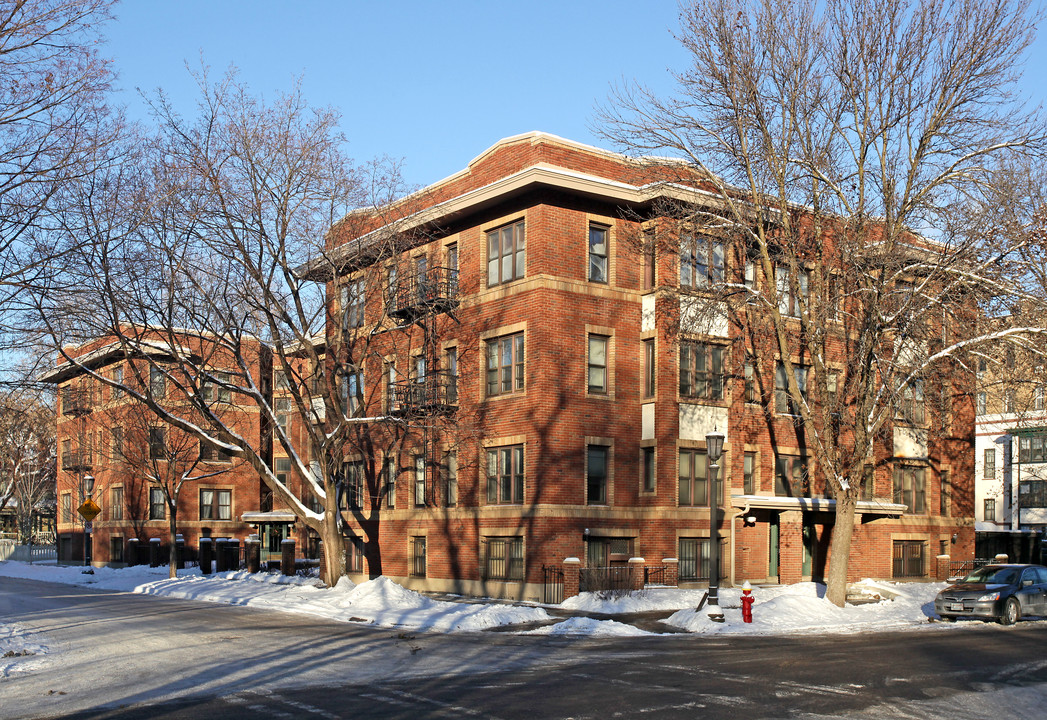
x=27, y=457
x=217, y=252
x=833, y=146
x=53, y=120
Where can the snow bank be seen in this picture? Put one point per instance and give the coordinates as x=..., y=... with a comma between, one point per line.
x=18, y=654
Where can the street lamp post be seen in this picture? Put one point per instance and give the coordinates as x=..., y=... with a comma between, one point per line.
x=714, y=449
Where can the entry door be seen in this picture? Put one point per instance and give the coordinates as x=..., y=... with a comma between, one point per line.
x=272, y=536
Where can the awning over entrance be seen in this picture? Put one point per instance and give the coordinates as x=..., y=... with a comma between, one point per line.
x=812, y=504
x=273, y=516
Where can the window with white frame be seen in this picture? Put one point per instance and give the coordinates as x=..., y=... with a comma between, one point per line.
x=598, y=381
x=598, y=253
x=157, y=505
x=989, y=463
x=783, y=399
x=789, y=302
x=451, y=479
x=421, y=497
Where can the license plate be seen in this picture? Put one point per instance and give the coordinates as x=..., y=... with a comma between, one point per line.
x=956, y=607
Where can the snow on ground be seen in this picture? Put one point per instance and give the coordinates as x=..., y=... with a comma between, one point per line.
x=17, y=654
x=787, y=609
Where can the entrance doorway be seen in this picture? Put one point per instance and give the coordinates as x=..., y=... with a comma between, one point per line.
x=272, y=536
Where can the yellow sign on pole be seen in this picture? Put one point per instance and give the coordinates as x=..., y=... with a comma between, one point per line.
x=89, y=510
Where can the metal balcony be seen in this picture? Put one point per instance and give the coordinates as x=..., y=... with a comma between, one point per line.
x=435, y=291
x=77, y=460
x=76, y=402
x=433, y=396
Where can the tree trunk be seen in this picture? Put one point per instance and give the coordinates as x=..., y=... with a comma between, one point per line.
x=840, y=549
x=334, y=546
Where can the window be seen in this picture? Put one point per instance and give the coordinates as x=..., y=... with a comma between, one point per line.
x=118, y=377
x=505, y=365
x=910, y=402
x=452, y=375
x=282, y=469
x=210, y=452
x=945, y=493
x=505, y=559
x=157, y=506
x=1032, y=448
x=701, y=371
x=418, y=556
x=1008, y=401
x=596, y=470
x=909, y=558
x=350, y=387
x=783, y=400
x=790, y=476
x=598, y=364
x=648, y=368
x=751, y=396
x=868, y=482
x=1032, y=493
x=452, y=270
x=353, y=477
x=420, y=495
x=390, y=483
x=910, y=488
x=451, y=479
x=216, y=504
x=694, y=478
x=116, y=503
x=597, y=253
x=648, y=263
x=423, y=289
x=67, y=508
x=694, y=559
x=391, y=402
x=116, y=446
x=701, y=261
x=989, y=463
x=749, y=473
x=353, y=304
x=749, y=278
x=789, y=303
x=355, y=551
x=989, y=510
x=157, y=443
x=1037, y=398
x=116, y=549
x=505, y=254
x=392, y=288
x=157, y=384
x=505, y=475
x=979, y=404
x=647, y=466
x=282, y=409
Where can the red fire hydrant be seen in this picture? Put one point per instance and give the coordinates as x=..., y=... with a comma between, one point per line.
x=747, y=602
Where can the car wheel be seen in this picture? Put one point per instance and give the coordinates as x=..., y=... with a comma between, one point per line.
x=1011, y=612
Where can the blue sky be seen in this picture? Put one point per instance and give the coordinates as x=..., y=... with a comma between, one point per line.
x=434, y=83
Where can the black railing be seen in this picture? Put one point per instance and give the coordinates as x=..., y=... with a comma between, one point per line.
x=654, y=575
x=77, y=460
x=552, y=584
x=436, y=393
x=435, y=290
x=599, y=579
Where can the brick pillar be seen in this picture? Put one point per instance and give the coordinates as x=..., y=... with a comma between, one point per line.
x=131, y=556
x=154, y=552
x=571, y=568
x=942, y=563
x=206, y=556
x=672, y=571
x=221, y=556
x=287, y=557
x=636, y=565
x=253, y=553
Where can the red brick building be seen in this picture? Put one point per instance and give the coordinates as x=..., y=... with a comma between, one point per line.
x=566, y=423
x=110, y=446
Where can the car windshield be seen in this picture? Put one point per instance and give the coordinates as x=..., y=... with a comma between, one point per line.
x=993, y=575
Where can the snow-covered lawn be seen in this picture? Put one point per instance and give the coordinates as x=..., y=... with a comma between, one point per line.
x=778, y=610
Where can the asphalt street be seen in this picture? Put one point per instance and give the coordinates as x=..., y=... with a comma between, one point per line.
x=117, y=655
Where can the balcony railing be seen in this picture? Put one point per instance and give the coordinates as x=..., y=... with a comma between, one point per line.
x=436, y=394
x=77, y=460
x=76, y=402
x=436, y=290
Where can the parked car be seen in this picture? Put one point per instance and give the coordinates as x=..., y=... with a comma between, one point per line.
x=1002, y=592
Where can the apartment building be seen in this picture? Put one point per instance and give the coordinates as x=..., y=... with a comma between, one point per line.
x=555, y=416
x=115, y=451
x=1010, y=455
